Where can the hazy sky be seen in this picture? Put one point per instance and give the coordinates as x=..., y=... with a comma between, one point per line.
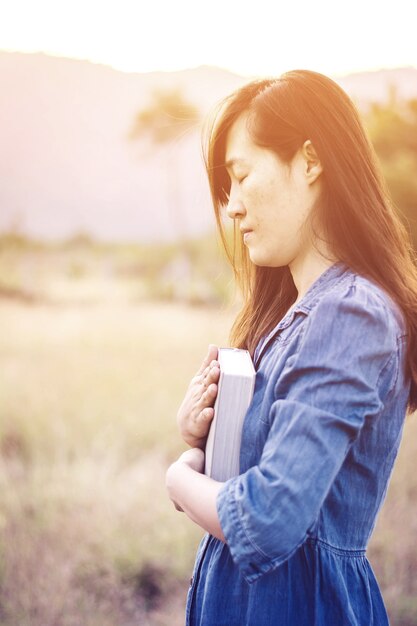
x=250, y=38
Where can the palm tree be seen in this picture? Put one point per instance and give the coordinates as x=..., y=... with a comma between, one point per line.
x=164, y=123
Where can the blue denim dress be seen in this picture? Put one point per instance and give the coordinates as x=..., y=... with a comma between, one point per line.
x=319, y=441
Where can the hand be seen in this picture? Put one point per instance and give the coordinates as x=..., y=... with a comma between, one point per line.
x=194, y=458
x=196, y=411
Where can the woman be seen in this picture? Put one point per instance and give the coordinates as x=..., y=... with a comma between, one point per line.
x=330, y=318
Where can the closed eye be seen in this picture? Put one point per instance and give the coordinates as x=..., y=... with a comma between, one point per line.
x=238, y=179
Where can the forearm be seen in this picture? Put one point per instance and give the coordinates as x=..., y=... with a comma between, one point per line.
x=196, y=494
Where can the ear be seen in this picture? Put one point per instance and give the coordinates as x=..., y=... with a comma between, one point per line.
x=313, y=167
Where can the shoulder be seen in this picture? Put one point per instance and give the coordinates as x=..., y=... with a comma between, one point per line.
x=353, y=327
x=356, y=302
x=347, y=351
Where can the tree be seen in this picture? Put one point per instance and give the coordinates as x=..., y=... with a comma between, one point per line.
x=393, y=130
x=164, y=123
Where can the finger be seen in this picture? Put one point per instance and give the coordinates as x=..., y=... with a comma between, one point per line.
x=205, y=416
x=212, y=375
x=205, y=378
x=211, y=354
x=206, y=401
x=206, y=371
x=208, y=397
x=205, y=363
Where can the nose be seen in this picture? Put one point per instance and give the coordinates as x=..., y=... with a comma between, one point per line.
x=235, y=208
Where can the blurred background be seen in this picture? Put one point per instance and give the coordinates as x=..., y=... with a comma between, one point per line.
x=113, y=281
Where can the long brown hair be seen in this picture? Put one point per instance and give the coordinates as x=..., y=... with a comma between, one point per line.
x=356, y=212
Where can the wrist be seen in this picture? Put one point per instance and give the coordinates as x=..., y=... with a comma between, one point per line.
x=193, y=441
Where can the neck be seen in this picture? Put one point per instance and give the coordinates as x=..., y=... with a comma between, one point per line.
x=305, y=270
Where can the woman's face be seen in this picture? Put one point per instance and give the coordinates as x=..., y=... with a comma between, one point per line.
x=270, y=199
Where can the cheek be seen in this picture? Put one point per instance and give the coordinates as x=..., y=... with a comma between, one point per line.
x=262, y=188
x=270, y=196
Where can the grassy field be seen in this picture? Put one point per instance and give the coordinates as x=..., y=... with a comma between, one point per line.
x=90, y=386
x=88, y=400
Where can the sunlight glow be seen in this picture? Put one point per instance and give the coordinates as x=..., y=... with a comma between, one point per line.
x=249, y=38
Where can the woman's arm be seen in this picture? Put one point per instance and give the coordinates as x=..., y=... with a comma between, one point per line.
x=193, y=492
x=336, y=381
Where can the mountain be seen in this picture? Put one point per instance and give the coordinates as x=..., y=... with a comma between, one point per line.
x=67, y=165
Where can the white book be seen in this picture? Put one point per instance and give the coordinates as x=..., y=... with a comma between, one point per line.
x=234, y=395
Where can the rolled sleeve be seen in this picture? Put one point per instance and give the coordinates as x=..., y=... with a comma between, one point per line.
x=322, y=398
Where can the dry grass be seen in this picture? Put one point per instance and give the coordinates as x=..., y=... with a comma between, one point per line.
x=87, y=423
x=88, y=399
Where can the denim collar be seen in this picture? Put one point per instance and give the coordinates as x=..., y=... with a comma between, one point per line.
x=328, y=277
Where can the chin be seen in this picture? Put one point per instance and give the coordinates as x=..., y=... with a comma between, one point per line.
x=263, y=261
x=260, y=259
